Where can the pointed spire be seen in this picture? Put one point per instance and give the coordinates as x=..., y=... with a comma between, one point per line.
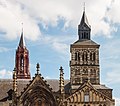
x=84, y=19
x=84, y=28
x=61, y=86
x=22, y=41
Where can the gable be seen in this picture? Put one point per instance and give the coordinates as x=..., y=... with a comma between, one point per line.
x=37, y=92
x=86, y=94
x=37, y=82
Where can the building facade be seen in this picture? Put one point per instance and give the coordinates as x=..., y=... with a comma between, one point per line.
x=83, y=88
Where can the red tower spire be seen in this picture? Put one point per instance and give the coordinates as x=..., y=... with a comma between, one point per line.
x=22, y=60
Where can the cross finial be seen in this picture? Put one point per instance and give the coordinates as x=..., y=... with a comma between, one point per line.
x=38, y=68
x=84, y=7
x=22, y=27
x=61, y=69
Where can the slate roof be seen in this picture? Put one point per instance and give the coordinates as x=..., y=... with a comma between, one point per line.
x=22, y=41
x=6, y=85
x=84, y=42
x=84, y=20
x=101, y=87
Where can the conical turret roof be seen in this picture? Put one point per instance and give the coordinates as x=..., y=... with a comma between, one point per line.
x=84, y=20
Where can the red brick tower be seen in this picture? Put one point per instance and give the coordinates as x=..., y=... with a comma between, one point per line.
x=22, y=60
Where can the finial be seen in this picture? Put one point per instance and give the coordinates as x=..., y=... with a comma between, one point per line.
x=61, y=69
x=22, y=27
x=38, y=68
x=84, y=7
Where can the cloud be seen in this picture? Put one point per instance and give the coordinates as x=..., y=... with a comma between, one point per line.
x=117, y=101
x=4, y=49
x=112, y=75
x=33, y=13
x=47, y=77
x=12, y=15
x=110, y=61
x=5, y=74
x=59, y=44
x=60, y=47
x=113, y=11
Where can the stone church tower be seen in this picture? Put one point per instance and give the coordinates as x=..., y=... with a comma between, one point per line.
x=86, y=89
x=84, y=64
x=22, y=60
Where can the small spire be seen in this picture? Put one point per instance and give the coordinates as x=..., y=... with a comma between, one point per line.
x=15, y=81
x=38, y=68
x=22, y=41
x=61, y=85
x=61, y=80
x=61, y=69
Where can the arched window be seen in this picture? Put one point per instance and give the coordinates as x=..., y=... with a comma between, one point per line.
x=86, y=56
x=94, y=56
x=83, y=56
x=86, y=96
x=90, y=56
x=75, y=56
x=78, y=56
x=21, y=62
x=84, y=35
